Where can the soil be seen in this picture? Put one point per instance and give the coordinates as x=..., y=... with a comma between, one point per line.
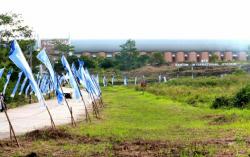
x=126, y=148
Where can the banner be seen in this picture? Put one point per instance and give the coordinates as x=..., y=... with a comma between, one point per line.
x=17, y=84
x=113, y=79
x=23, y=85
x=43, y=57
x=27, y=90
x=1, y=72
x=125, y=81
x=19, y=60
x=72, y=81
x=7, y=80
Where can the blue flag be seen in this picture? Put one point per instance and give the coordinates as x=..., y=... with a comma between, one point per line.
x=43, y=57
x=87, y=81
x=27, y=89
x=104, y=81
x=92, y=83
x=23, y=85
x=125, y=81
x=17, y=84
x=72, y=81
x=1, y=72
x=113, y=79
x=19, y=60
x=7, y=80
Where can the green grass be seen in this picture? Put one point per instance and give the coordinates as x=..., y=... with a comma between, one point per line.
x=131, y=115
x=200, y=91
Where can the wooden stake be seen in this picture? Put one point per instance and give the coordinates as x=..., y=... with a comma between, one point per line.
x=94, y=104
x=73, y=123
x=53, y=126
x=11, y=127
x=86, y=111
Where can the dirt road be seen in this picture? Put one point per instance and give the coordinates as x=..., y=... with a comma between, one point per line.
x=34, y=116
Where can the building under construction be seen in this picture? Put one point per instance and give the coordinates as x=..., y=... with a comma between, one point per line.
x=174, y=51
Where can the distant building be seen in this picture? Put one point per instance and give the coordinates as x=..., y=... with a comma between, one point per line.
x=174, y=51
x=48, y=44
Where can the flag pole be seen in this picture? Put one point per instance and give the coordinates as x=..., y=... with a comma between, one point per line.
x=86, y=111
x=8, y=119
x=94, y=104
x=95, y=83
x=73, y=123
x=51, y=119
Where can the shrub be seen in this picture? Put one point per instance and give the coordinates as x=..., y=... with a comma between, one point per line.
x=221, y=102
x=242, y=98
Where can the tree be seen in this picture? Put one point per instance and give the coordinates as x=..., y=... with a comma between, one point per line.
x=127, y=59
x=143, y=60
x=88, y=62
x=107, y=63
x=12, y=26
x=248, y=53
x=62, y=47
x=157, y=58
x=214, y=58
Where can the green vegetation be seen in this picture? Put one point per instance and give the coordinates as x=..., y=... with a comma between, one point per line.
x=149, y=124
x=201, y=91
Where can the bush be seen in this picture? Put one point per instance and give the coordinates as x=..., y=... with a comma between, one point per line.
x=242, y=98
x=221, y=102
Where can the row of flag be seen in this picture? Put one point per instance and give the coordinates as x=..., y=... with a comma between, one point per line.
x=41, y=84
x=125, y=80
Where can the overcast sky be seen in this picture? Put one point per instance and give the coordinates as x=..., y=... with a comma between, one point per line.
x=136, y=19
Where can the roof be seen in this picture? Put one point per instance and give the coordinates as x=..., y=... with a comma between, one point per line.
x=162, y=45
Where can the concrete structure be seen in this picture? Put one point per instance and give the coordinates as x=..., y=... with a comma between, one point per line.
x=180, y=57
x=242, y=56
x=101, y=54
x=49, y=45
x=192, y=57
x=174, y=51
x=168, y=57
x=86, y=54
x=204, y=57
x=228, y=56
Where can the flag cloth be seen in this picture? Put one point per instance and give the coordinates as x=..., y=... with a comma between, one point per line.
x=23, y=85
x=1, y=72
x=43, y=57
x=97, y=79
x=104, y=81
x=7, y=80
x=84, y=79
x=113, y=79
x=17, y=84
x=27, y=89
x=74, y=71
x=125, y=81
x=92, y=83
x=72, y=81
x=19, y=60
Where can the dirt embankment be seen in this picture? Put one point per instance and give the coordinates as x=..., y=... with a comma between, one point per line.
x=129, y=148
x=151, y=72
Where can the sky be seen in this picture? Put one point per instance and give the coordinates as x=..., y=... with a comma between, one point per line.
x=134, y=19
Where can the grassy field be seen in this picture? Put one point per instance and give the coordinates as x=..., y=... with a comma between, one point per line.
x=150, y=124
x=200, y=91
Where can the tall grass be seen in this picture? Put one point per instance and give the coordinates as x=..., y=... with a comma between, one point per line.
x=200, y=91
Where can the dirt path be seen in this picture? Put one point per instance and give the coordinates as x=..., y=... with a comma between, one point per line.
x=34, y=116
